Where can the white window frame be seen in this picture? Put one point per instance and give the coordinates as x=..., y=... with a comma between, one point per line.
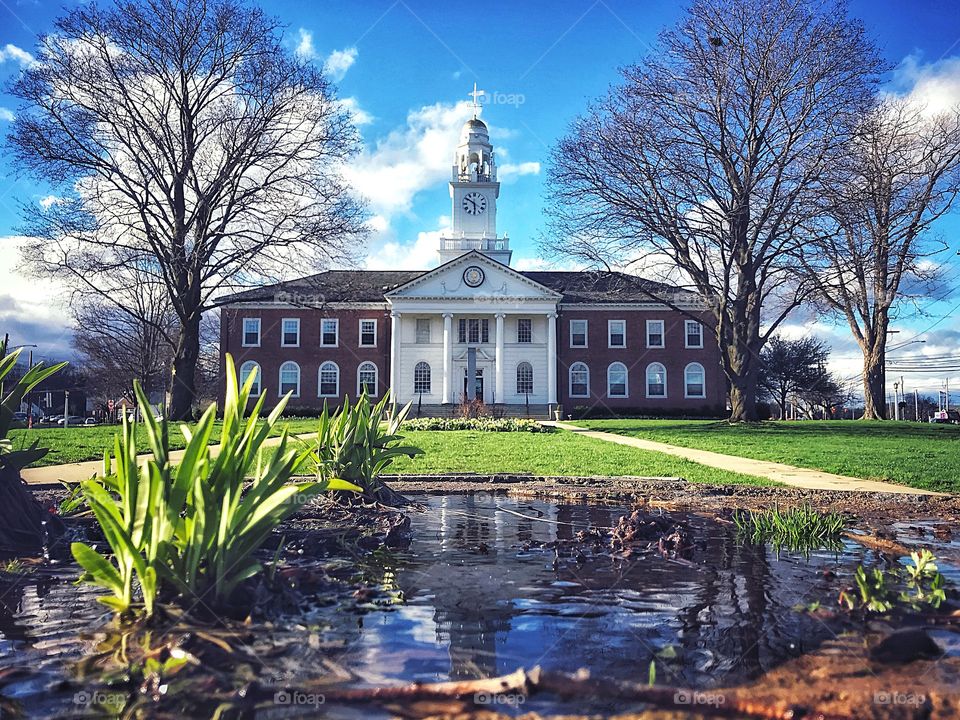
x=376, y=379
x=258, y=388
x=283, y=332
x=517, y=377
x=243, y=332
x=610, y=334
x=360, y=332
x=686, y=384
x=336, y=325
x=626, y=381
x=570, y=380
x=663, y=333
x=429, y=390
x=686, y=333
x=530, y=322
x=586, y=332
x=320, y=392
x=646, y=381
x=416, y=331
x=280, y=392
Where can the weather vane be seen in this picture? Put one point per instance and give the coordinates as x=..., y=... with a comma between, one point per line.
x=476, y=94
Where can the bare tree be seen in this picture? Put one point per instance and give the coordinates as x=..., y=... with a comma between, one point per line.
x=791, y=367
x=897, y=175
x=705, y=159
x=182, y=138
x=129, y=336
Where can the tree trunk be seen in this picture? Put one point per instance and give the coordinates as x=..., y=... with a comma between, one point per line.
x=183, y=378
x=743, y=398
x=874, y=384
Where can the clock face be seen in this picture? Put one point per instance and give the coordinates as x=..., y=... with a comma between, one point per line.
x=474, y=203
x=473, y=276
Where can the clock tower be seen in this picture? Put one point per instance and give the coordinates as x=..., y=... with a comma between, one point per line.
x=474, y=191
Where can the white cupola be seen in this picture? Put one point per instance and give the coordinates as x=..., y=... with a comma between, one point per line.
x=474, y=191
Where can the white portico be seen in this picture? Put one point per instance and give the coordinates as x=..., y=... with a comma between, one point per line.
x=473, y=328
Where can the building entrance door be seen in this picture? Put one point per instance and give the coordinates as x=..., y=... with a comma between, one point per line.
x=477, y=384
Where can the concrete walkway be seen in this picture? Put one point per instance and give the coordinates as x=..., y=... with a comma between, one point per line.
x=51, y=475
x=786, y=474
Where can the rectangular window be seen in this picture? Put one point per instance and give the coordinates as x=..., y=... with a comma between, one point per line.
x=291, y=332
x=655, y=333
x=423, y=331
x=578, y=333
x=694, y=334
x=329, y=332
x=524, y=330
x=473, y=331
x=617, y=333
x=368, y=333
x=251, y=332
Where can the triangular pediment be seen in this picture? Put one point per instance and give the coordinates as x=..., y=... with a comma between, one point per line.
x=473, y=276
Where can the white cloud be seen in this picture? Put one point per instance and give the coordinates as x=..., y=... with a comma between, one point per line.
x=305, y=46
x=936, y=85
x=32, y=310
x=358, y=115
x=12, y=52
x=390, y=254
x=510, y=172
x=338, y=62
x=50, y=200
x=6, y=114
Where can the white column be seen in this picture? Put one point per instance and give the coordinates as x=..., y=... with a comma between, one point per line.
x=551, y=358
x=447, y=356
x=498, y=386
x=394, y=355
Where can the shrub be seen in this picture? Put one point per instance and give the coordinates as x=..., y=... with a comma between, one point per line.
x=358, y=442
x=192, y=529
x=482, y=423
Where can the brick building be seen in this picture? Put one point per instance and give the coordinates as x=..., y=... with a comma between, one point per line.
x=476, y=328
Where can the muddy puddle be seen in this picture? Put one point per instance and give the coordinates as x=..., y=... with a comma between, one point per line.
x=482, y=585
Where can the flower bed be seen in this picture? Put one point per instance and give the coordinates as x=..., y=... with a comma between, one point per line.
x=485, y=424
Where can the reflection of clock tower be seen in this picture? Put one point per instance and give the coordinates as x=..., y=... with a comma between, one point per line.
x=474, y=190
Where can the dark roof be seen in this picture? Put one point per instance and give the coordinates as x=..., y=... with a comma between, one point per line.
x=600, y=286
x=331, y=286
x=370, y=286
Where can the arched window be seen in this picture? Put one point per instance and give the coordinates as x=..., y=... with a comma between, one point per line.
x=367, y=379
x=579, y=380
x=329, y=380
x=290, y=379
x=524, y=379
x=617, y=380
x=246, y=370
x=421, y=378
x=694, y=381
x=656, y=381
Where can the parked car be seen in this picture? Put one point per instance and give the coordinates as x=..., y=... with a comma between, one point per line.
x=20, y=416
x=73, y=420
x=946, y=416
x=91, y=421
x=51, y=420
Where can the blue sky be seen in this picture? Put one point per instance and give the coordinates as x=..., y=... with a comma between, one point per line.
x=406, y=67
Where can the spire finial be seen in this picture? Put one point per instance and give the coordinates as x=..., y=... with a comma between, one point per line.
x=476, y=94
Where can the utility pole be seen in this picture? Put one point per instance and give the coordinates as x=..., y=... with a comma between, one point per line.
x=916, y=405
x=896, y=400
x=66, y=409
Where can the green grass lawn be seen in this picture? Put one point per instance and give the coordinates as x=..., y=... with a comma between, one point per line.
x=75, y=444
x=917, y=454
x=560, y=453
